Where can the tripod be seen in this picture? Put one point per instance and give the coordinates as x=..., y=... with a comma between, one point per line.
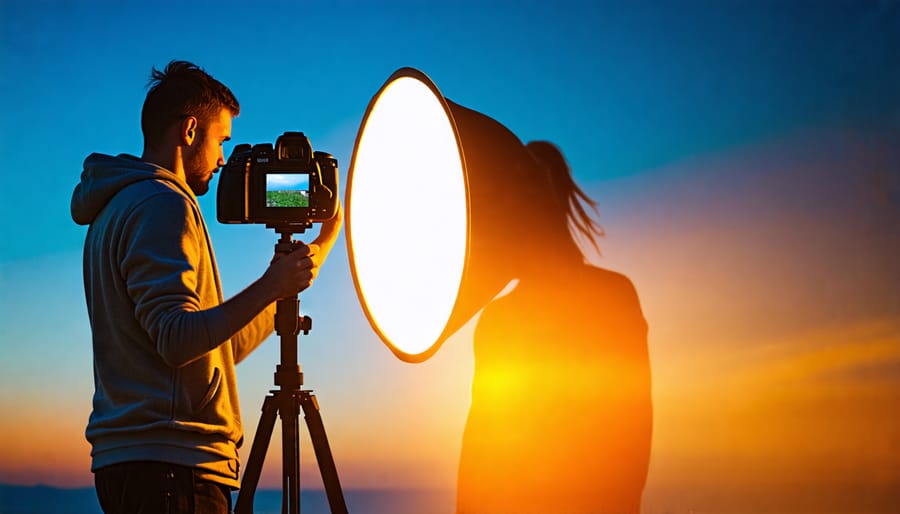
x=288, y=400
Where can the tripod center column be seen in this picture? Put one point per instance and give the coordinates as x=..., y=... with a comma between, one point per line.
x=287, y=326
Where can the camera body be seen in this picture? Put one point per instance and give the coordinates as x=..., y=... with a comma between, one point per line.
x=285, y=185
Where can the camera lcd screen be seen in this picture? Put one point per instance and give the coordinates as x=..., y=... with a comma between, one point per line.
x=287, y=190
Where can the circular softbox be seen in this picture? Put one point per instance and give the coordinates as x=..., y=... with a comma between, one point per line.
x=427, y=213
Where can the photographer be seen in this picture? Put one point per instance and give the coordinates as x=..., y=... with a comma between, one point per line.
x=166, y=424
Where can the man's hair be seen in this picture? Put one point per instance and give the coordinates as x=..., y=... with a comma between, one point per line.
x=182, y=89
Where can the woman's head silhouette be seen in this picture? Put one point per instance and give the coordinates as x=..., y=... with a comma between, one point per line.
x=566, y=217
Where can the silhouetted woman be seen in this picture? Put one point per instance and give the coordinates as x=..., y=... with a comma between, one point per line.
x=560, y=420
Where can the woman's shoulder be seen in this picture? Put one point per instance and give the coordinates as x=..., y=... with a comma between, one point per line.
x=606, y=277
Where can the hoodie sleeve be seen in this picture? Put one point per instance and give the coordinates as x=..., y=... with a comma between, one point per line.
x=161, y=256
x=250, y=337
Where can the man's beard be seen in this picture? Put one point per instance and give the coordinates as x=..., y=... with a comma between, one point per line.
x=195, y=175
x=199, y=186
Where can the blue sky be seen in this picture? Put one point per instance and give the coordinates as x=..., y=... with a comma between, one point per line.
x=625, y=89
x=726, y=131
x=295, y=181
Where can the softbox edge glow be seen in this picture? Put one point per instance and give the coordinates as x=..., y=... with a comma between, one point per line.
x=447, y=330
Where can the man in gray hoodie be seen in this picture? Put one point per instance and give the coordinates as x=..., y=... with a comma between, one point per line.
x=166, y=424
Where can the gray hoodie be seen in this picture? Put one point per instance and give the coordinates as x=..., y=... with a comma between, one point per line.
x=165, y=387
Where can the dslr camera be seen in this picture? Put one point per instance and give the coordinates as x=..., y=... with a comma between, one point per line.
x=285, y=186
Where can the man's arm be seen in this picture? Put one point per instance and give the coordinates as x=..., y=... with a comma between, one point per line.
x=160, y=263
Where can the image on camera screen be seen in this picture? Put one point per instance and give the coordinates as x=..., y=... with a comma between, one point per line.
x=287, y=190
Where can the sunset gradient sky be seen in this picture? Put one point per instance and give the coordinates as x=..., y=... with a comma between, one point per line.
x=745, y=157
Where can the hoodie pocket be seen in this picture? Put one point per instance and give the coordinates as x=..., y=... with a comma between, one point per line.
x=211, y=390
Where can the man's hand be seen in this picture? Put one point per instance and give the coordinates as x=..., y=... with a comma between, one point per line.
x=328, y=234
x=291, y=273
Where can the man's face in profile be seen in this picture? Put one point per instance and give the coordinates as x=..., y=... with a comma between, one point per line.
x=205, y=156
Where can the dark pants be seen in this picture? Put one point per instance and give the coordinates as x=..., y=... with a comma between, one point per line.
x=158, y=488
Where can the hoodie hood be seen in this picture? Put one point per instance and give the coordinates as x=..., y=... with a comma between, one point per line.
x=105, y=175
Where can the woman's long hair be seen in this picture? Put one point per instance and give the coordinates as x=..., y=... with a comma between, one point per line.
x=575, y=203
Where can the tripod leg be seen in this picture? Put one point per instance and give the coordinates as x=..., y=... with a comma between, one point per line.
x=323, y=453
x=290, y=457
x=244, y=504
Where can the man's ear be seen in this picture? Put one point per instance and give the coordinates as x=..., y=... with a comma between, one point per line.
x=188, y=130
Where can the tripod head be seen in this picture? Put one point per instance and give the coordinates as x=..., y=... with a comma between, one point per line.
x=286, y=243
